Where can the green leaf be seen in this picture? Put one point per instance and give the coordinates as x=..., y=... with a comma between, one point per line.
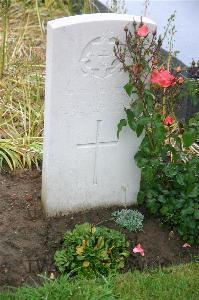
x=125, y=254
x=137, y=108
x=162, y=199
x=149, y=93
x=128, y=88
x=179, y=203
x=153, y=206
x=120, y=125
x=131, y=119
x=194, y=100
x=164, y=210
x=141, y=197
x=180, y=179
x=187, y=211
x=171, y=170
x=194, y=192
x=148, y=174
x=196, y=214
x=189, y=137
x=139, y=129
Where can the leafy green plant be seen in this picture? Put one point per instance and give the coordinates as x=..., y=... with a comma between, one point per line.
x=173, y=194
x=166, y=156
x=130, y=219
x=191, y=133
x=90, y=250
x=9, y=155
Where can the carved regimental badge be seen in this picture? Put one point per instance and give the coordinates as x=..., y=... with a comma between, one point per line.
x=97, y=58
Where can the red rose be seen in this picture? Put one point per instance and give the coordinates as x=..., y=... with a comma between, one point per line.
x=143, y=31
x=162, y=77
x=168, y=121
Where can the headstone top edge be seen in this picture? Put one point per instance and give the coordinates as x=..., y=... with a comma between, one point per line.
x=98, y=17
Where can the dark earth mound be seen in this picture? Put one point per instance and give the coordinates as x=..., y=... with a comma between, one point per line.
x=28, y=240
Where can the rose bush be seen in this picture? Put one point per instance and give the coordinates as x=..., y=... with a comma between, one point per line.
x=170, y=166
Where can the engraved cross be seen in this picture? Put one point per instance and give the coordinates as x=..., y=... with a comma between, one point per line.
x=96, y=146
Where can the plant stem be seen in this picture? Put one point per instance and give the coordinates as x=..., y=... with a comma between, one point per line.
x=39, y=18
x=146, y=114
x=164, y=104
x=4, y=42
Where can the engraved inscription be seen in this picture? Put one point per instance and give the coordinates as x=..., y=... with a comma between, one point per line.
x=97, y=58
x=83, y=102
x=96, y=146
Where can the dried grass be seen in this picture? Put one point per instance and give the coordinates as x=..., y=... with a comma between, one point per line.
x=22, y=49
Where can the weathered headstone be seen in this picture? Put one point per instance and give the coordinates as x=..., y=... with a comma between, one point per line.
x=84, y=164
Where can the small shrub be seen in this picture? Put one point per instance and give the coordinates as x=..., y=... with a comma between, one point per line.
x=89, y=250
x=172, y=193
x=130, y=219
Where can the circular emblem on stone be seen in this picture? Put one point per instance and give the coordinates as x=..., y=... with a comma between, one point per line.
x=97, y=58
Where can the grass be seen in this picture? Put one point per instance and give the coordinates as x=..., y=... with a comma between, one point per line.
x=22, y=87
x=22, y=75
x=178, y=282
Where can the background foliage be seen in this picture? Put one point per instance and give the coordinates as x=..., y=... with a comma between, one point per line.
x=22, y=75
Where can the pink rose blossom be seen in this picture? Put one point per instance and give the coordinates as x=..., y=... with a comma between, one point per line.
x=162, y=77
x=138, y=249
x=143, y=31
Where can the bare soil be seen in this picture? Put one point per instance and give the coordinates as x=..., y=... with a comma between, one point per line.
x=28, y=240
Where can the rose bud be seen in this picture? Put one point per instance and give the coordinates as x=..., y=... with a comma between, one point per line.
x=178, y=69
x=143, y=31
x=117, y=42
x=180, y=80
x=168, y=121
x=154, y=32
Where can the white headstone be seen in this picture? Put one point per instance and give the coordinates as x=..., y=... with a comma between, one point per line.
x=84, y=164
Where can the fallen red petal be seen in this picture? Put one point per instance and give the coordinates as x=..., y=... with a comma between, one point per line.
x=138, y=249
x=186, y=245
